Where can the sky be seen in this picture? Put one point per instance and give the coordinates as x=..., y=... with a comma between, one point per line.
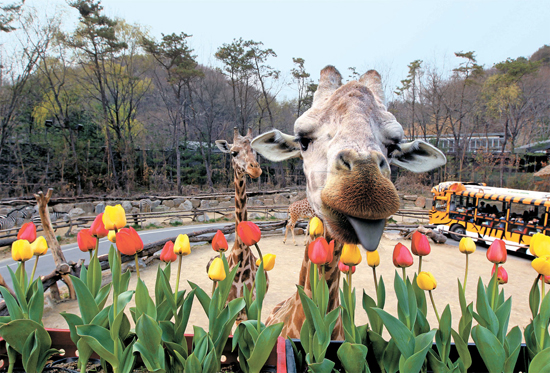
x=385, y=35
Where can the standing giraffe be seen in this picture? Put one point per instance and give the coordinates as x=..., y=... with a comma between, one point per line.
x=298, y=210
x=243, y=160
x=347, y=140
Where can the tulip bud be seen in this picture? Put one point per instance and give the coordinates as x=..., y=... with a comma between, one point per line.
x=86, y=242
x=315, y=227
x=97, y=228
x=539, y=245
x=182, y=245
x=216, y=272
x=27, y=232
x=467, y=245
x=128, y=241
x=21, y=251
x=351, y=255
x=542, y=265
x=345, y=268
x=114, y=217
x=496, y=253
x=167, y=254
x=419, y=244
x=402, y=257
x=547, y=279
x=320, y=252
x=249, y=233
x=219, y=242
x=269, y=262
x=39, y=247
x=373, y=258
x=502, y=275
x=111, y=236
x=426, y=281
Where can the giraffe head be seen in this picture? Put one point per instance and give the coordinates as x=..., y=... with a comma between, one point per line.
x=347, y=140
x=243, y=157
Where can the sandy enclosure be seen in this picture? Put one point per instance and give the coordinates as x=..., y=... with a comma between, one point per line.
x=445, y=262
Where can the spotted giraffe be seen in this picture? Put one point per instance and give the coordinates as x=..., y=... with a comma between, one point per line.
x=243, y=160
x=298, y=210
x=347, y=140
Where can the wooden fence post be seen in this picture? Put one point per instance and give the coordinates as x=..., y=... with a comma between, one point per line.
x=42, y=202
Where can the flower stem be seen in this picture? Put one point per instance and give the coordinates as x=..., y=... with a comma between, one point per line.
x=34, y=269
x=213, y=287
x=91, y=255
x=543, y=292
x=433, y=304
x=404, y=274
x=178, y=280
x=465, y=275
x=22, y=279
x=323, y=289
x=495, y=288
x=315, y=279
x=419, y=264
x=137, y=264
x=375, y=281
x=350, y=304
x=259, y=252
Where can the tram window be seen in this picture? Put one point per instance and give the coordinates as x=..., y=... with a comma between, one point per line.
x=524, y=214
x=490, y=208
x=441, y=205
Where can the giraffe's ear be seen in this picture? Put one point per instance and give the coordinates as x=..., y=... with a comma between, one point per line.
x=223, y=146
x=418, y=156
x=276, y=146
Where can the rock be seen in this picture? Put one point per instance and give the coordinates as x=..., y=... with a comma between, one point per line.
x=230, y=216
x=135, y=210
x=254, y=215
x=269, y=201
x=4, y=211
x=76, y=212
x=281, y=215
x=213, y=202
x=411, y=197
x=176, y=221
x=154, y=222
x=127, y=206
x=131, y=266
x=169, y=203
x=203, y=217
x=155, y=204
x=224, y=199
x=186, y=206
x=225, y=204
x=205, y=204
x=196, y=203
x=135, y=204
x=63, y=207
x=281, y=200
x=178, y=201
x=88, y=207
x=232, y=201
x=420, y=202
x=99, y=208
x=160, y=208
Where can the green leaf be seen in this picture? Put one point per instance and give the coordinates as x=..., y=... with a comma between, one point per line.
x=392, y=356
x=263, y=347
x=511, y=347
x=353, y=357
x=401, y=335
x=149, y=343
x=16, y=333
x=402, y=301
x=489, y=319
x=381, y=294
x=144, y=303
x=192, y=364
x=101, y=297
x=414, y=363
x=462, y=349
x=541, y=362
x=534, y=298
x=18, y=288
x=73, y=321
x=489, y=348
x=99, y=339
x=503, y=316
x=86, y=303
x=324, y=366
x=13, y=308
x=31, y=354
x=203, y=298
x=376, y=323
x=36, y=303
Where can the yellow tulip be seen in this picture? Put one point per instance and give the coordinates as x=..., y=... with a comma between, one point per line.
x=114, y=217
x=540, y=245
x=216, y=272
x=39, y=247
x=269, y=261
x=182, y=246
x=542, y=265
x=426, y=281
x=111, y=236
x=373, y=258
x=21, y=251
x=351, y=255
x=467, y=245
x=315, y=227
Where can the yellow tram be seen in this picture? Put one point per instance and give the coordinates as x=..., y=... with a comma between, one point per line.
x=488, y=213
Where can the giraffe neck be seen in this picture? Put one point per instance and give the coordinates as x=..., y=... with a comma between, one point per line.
x=241, y=213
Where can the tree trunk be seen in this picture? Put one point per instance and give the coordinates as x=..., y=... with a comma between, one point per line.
x=42, y=203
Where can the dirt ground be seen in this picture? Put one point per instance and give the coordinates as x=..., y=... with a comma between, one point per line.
x=445, y=262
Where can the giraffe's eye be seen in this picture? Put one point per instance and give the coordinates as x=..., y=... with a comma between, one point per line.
x=304, y=143
x=234, y=153
x=392, y=148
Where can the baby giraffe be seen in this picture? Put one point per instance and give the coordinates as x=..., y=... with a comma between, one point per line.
x=298, y=210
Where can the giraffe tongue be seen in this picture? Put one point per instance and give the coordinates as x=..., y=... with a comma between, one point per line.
x=368, y=232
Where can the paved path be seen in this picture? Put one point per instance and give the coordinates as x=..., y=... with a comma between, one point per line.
x=46, y=263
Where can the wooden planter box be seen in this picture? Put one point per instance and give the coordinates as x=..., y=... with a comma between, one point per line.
x=477, y=362
x=61, y=339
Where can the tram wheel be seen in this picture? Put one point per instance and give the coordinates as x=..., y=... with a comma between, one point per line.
x=459, y=229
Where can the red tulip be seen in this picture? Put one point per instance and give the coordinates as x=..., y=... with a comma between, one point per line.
x=344, y=268
x=547, y=279
x=402, y=257
x=420, y=245
x=496, y=253
x=249, y=233
x=219, y=243
x=27, y=232
x=86, y=242
x=167, y=254
x=128, y=241
x=502, y=275
x=97, y=228
x=320, y=251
